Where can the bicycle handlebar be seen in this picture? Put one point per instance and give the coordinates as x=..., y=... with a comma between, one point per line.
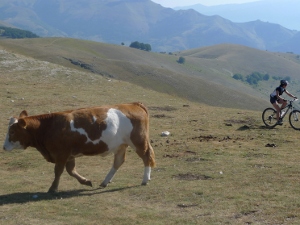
x=294, y=100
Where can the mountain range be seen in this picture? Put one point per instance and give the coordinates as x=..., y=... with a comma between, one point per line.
x=286, y=13
x=126, y=21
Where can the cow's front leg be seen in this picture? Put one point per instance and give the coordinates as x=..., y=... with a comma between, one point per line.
x=58, y=170
x=118, y=161
x=70, y=167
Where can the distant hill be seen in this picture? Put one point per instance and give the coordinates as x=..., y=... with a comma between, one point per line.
x=286, y=13
x=206, y=75
x=290, y=46
x=126, y=21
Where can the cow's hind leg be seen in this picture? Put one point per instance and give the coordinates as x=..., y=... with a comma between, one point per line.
x=145, y=151
x=70, y=167
x=58, y=170
x=118, y=161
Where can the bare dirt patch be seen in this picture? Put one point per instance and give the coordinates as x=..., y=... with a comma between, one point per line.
x=162, y=108
x=202, y=138
x=180, y=154
x=196, y=159
x=191, y=176
x=159, y=116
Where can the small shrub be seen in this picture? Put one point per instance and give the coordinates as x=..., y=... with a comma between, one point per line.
x=181, y=60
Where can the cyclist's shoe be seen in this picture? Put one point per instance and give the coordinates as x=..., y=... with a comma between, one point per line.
x=279, y=122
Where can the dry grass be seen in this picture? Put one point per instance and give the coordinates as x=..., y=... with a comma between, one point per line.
x=214, y=168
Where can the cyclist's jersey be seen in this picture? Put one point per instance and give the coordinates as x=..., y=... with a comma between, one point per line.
x=280, y=91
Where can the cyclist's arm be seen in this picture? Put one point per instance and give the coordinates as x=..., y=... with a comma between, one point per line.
x=289, y=94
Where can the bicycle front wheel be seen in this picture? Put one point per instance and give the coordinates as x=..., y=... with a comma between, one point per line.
x=294, y=119
x=269, y=117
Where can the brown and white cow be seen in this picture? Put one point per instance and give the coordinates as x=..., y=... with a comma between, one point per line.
x=61, y=137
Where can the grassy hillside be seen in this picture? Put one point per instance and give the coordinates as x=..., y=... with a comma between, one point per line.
x=202, y=79
x=245, y=60
x=206, y=77
x=214, y=168
x=228, y=59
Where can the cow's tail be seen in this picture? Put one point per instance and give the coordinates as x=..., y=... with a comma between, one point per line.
x=151, y=156
x=150, y=151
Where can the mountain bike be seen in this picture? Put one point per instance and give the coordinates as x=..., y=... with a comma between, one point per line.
x=269, y=115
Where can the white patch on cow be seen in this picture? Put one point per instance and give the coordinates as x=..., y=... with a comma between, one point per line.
x=83, y=132
x=147, y=172
x=8, y=146
x=117, y=132
x=94, y=119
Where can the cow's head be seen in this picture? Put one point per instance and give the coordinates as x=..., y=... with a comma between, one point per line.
x=17, y=135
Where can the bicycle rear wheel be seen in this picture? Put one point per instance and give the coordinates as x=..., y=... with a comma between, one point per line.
x=294, y=119
x=269, y=117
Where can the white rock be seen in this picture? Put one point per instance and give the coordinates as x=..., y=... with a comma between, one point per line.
x=165, y=133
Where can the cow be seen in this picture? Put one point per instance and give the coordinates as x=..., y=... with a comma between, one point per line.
x=62, y=136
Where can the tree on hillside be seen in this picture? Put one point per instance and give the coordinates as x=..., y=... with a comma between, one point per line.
x=147, y=47
x=14, y=33
x=253, y=78
x=181, y=60
x=141, y=46
x=266, y=77
x=135, y=44
x=238, y=76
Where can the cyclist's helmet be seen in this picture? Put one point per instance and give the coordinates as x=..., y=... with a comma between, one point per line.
x=284, y=82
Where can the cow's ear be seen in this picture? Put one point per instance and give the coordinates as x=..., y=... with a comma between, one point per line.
x=23, y=114
x=22, y=123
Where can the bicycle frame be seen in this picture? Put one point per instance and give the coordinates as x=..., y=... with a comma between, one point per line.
x=289, y=106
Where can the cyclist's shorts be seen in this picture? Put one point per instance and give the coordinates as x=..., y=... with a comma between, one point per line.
x=273, y=99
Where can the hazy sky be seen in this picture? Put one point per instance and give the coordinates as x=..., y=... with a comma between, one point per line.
x=174, y=3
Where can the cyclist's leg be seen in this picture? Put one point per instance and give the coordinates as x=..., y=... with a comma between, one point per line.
x=277, y=107
x=283, y=103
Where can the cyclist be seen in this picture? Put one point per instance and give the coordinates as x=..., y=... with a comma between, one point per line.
x=276, y=99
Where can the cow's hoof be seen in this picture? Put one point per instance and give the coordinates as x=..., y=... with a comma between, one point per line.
x=88, y=183
x=144, y=183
